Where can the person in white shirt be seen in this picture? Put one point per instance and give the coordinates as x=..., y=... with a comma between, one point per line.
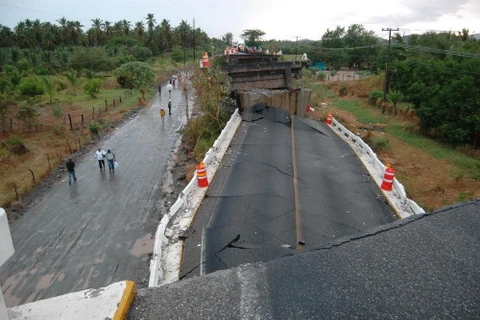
x=100, y=156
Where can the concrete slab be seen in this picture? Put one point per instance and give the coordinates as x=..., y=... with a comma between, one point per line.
x=111, y=302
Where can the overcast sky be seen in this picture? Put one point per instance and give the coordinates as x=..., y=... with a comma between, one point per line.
x=280, y=19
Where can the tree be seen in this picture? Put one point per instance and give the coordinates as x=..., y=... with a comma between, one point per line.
x=227, y=38
x=150, y=22
x=50, y=85
x=31, y=87
x=27, y=113
x=395, y=97
x=97, y=27
x=136, y=74
x=72, y=78
x=95, y=59
x=252, y=37
x=92, y=87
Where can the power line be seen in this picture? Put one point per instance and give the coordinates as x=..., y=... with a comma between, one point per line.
x=39, y=11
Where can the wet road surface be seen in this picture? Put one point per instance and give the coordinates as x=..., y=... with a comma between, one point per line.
x=255, y=212
x=99, y=230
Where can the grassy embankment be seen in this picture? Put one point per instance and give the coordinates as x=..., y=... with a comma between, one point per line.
x=433, y=174
x=53, y=141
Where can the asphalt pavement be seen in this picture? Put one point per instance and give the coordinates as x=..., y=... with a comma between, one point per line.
x=421, y=267
x=99, y=230
x=251, y=211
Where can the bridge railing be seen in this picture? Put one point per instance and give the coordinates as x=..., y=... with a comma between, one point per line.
x=397, y=197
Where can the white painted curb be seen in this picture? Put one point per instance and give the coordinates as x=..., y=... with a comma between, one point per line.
x=111, y=302
x=163, y=270
x=397, y=198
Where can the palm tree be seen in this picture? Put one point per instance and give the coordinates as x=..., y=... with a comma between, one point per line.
x=150, y=22
x=165, y=34
x=74, y=32
x=139, y=30
x=97, y=26
x=50, y=85
x=126, y=25
x=108, y=28
x=118, y=28
x=37, y=31
x=74, y=80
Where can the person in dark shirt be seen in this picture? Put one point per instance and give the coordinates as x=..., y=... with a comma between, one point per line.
x=71, y=171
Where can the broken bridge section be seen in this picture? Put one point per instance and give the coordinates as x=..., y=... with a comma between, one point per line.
x=260, y=78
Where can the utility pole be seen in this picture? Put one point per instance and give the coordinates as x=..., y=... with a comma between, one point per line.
x=385, y=85
x=296, y=49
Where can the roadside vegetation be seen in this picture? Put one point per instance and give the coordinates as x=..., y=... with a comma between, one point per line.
x=434, y=174
x=61, y=87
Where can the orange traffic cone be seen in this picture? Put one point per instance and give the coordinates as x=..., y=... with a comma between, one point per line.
x=202, y=175
x=329, y=118
x=388, y=178
x=206, y=62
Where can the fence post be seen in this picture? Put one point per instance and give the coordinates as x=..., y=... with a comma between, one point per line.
x=11, y=124
x=49, y=165
x=120, y=98
x=70, y=120
x=113, y=102
x=93, y=113
x=69, y=148
x=82, y=120
x=33, y=175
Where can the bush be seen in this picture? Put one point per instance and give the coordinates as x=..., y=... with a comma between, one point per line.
x=57, y=111
x=379, y=143
x=24, y=65
x=43, y=72
x=61, y=85
x=15, y=140
x=94, y=127
x=92, y=87
x=321, y=75
x=374, y=96
x=124, y=59
x=95, y=59
x=177, y=54
x=31, y=87
x=59, y=131
x=140, y=53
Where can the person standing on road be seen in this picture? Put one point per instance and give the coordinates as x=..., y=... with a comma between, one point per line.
x=169, y=106
x=160, y=90
x=162, y=114
x=110, y=158
x=100, y=156
x=71, y=171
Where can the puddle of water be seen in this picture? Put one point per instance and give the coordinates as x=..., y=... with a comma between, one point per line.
x=143, y=246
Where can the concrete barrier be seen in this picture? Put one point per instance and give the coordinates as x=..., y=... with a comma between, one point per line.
x=111, y=302
x=164, y=269
x=6, y=251
x=397, y=198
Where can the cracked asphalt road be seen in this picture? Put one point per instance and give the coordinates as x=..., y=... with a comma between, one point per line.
x=100, y=230
x=250, y=213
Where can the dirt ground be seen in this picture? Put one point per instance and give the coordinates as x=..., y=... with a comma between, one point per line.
x=431, y=182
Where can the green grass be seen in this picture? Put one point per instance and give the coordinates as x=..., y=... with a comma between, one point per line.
x=463, y=162
x=363, y=114
x=319, y=89
x=397, y=128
